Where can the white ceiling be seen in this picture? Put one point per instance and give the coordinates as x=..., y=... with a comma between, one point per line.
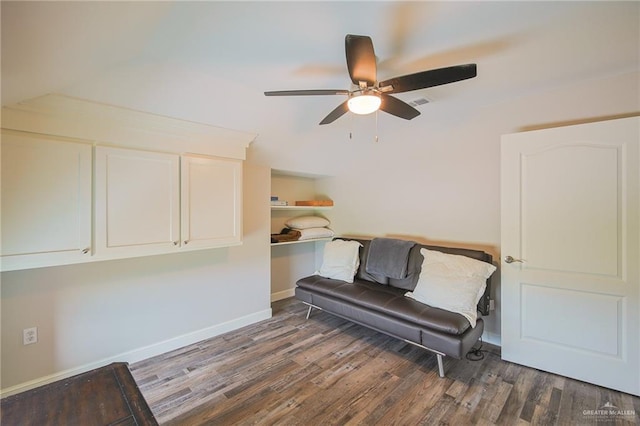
x=210, y=62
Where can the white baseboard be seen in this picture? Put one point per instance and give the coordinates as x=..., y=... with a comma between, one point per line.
x=492, y=338
x=144, y=352
x=283, y=294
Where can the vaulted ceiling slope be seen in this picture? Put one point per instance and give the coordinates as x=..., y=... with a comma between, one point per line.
x=210, y=62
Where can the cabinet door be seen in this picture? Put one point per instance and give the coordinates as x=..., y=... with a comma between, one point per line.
x=211, y=202
x=137, y=202
x=46, y=200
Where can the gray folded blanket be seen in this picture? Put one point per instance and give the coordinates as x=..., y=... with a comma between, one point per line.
x=389, y=257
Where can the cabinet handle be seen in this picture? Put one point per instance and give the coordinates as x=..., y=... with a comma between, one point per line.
x=85, y=251
x=175, y=243
x=186, y=242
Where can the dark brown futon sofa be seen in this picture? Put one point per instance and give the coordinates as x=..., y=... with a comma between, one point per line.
x=380, y=304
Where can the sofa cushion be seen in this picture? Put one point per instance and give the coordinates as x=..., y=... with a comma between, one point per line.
x=387, y=300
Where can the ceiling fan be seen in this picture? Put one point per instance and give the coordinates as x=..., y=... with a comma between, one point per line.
x=367, y=94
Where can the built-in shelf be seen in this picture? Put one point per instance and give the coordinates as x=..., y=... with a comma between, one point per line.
x=298, y=258
x=301, y=241
x=301, y=207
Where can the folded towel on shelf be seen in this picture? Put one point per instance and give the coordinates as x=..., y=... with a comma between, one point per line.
x=286, y=235
x=315, y=233
x=389, y=257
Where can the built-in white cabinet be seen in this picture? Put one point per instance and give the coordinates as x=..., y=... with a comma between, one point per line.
x=46, y=200
x=150, y=202
x=137, y=198
x=85, y=182
x=211, y=201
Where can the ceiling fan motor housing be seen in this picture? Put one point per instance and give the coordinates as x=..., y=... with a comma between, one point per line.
x=364, y=102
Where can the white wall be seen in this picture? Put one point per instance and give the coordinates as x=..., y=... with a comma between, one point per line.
x=92, y=314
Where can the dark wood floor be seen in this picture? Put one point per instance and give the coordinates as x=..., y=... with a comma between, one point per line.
x=328, y=371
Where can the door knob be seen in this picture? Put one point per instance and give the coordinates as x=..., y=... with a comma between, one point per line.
x=511, y=259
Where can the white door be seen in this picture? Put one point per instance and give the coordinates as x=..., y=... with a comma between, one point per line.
x=211, y=202
x=570, y=221
x=46, y=200
x=137, y=202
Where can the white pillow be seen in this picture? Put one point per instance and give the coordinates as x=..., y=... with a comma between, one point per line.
x=454, y=265
x=304, y=222
x=311, y=233
x=340, y=260
x=451, y=282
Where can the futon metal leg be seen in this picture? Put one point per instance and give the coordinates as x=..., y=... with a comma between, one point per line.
x=439, y=356
x=440, y=365
x=309, y=311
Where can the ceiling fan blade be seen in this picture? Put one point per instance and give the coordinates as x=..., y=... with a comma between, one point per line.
x=430, y=78
x=307, y=92
x=395, y=106
x=361, y=59
x=341, y=110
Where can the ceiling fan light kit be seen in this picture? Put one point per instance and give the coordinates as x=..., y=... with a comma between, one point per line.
x=364, y=103
x=368, y=95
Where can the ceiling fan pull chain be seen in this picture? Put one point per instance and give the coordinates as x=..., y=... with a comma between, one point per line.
x=351, y=126
x=376, y=139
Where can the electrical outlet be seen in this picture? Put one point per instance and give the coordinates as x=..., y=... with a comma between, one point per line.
x=492, y=305
x=30, y=336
